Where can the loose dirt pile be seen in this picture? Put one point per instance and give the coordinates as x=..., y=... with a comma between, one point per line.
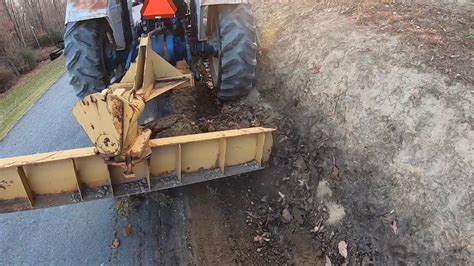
x=197, y=110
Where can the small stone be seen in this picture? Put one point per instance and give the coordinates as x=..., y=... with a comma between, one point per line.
x=100, y=193
x=328, y=261
x=75, y=198
x=286, y=216
x=342, y=246
x=264, y=199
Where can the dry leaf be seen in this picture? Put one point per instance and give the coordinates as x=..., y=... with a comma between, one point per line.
x=115, y=243
x=342, y=246
x=127, y=230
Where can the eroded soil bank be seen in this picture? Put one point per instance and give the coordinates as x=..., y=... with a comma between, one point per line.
x=380, y=108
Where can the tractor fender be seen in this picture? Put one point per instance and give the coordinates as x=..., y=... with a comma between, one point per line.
x=110, y=10
x=204, y=12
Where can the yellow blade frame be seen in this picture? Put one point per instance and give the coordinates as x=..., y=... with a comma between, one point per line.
x=71, y=176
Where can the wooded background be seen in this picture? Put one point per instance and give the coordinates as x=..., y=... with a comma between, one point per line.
x=20, y=21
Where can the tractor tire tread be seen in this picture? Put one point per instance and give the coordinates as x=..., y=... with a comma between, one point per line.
x=239, y=51
x=83, y=57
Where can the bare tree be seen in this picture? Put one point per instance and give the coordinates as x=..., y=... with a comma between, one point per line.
x=12, y=20
x=17, y=17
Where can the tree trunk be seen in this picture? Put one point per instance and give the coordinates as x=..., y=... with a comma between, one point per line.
x=9, y=8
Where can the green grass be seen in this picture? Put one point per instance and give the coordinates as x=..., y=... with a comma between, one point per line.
x=19, y=99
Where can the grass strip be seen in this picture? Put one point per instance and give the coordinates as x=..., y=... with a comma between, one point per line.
x=19, y=99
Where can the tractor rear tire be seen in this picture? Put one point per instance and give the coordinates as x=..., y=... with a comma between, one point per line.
x=233, y=71
x=85, y=55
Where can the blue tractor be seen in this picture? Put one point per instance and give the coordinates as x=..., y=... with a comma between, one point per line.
x=101, y=40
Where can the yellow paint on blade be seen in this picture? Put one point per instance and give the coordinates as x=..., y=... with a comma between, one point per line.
x=173, y=160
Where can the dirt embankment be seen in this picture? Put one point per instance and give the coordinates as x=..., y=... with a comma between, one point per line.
x=380, y=110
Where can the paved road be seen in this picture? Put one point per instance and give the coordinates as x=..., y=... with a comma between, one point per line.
x=80, y=234
x=48, y=125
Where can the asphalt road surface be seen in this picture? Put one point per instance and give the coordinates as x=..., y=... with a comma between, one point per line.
x=80, y=234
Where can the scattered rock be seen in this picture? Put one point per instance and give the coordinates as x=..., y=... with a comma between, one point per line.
x=286, y=216
x=323, y=191
x=328, y=261
x=75, y=197
x=139, y=186
x=342, y=246
x=336, y=212
x=100, y=193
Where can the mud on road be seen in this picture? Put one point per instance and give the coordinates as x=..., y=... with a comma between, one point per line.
x=373, y=148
